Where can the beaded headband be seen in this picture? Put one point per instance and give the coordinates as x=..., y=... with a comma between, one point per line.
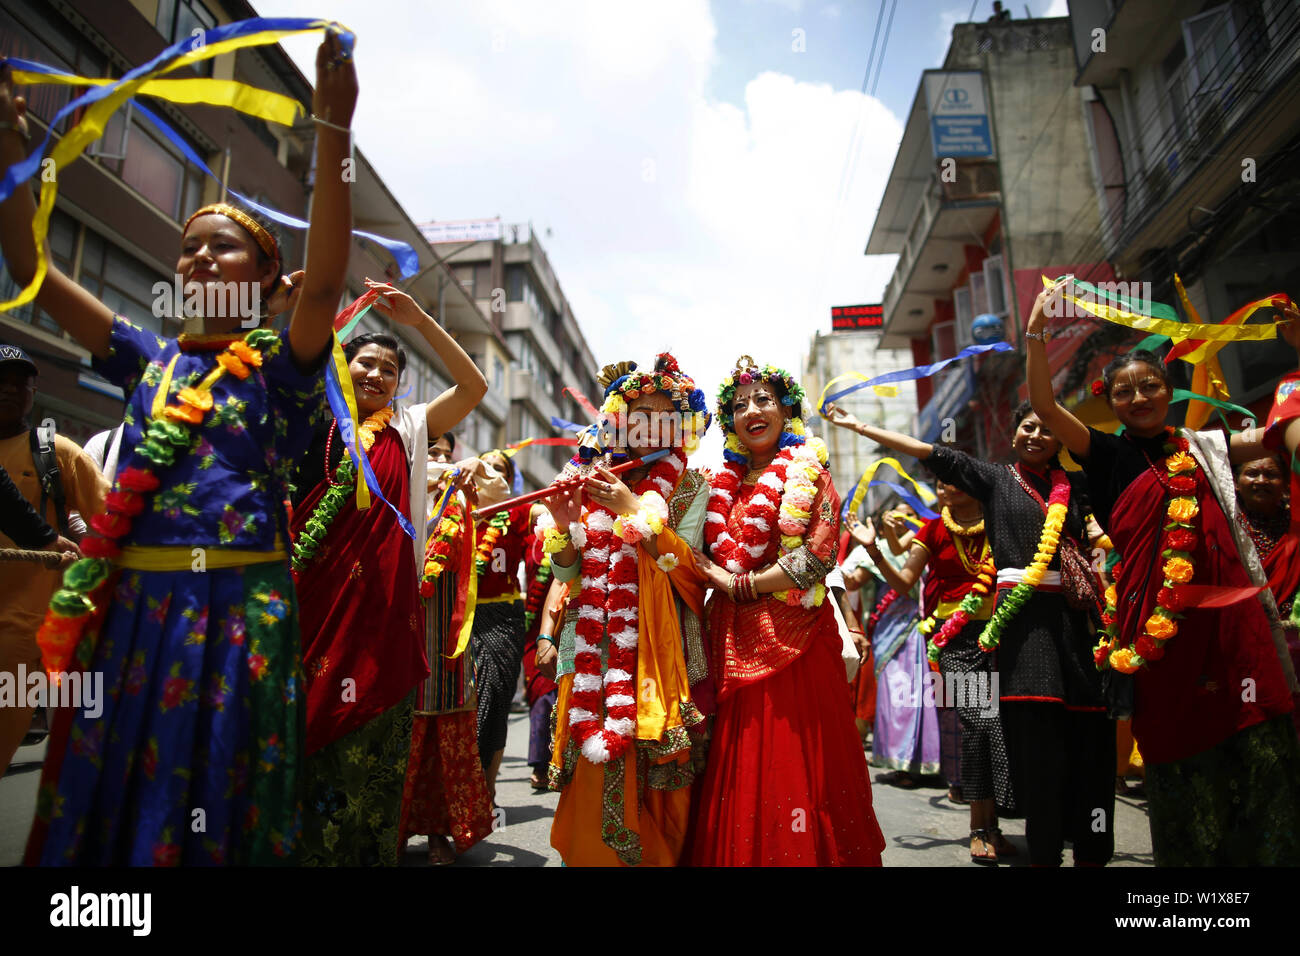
x=265, y=241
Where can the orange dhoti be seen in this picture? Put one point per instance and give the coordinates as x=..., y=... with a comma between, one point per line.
x=635, y=810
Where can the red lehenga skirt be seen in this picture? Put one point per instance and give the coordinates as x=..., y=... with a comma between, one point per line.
x=787, y=781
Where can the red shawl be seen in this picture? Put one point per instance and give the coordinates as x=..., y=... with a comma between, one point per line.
x=359, y=606
x=755, y=640
x=1283, y=563
x=1192, y=698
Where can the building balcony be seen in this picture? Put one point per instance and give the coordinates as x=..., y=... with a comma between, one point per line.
x=1231, y=100
x=526, y=388
x=932, y=253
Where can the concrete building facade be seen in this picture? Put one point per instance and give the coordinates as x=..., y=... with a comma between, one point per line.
x=533, y=351
x=990, y=189
x=117, y=223
x=1194, y=134
x=837, y=353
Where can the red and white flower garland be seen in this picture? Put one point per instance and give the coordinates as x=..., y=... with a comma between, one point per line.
x=607, y=605
x=782, y=504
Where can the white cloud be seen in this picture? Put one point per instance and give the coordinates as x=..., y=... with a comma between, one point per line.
x=1057, y=8
x=680, y=222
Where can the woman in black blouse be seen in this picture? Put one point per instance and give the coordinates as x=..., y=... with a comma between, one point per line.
x=1060, y=742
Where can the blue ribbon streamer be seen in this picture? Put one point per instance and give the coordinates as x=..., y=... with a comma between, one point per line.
x=919, y=372
x=408, y=260
x=906, y=494
x=21, y=172
x=446, y=500
x=559, y=424
x=339, y=405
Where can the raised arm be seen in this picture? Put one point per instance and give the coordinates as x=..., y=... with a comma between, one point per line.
x=83, y=316
x=449, y=408
x=899, y=442
x=1072, y=432
x=329, y=240
x=903, y=580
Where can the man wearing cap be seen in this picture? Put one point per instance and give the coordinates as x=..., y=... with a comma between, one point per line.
x=26, y=586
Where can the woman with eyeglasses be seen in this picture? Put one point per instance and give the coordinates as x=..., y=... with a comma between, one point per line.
x=1188, y=616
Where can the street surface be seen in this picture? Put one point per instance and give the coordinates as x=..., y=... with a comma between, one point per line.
x=922, y=827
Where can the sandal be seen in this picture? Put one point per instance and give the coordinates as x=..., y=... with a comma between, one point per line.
x=440, y=853
x=955, y=795
x=990, y=856
x=537, y=783
x=1001, y=845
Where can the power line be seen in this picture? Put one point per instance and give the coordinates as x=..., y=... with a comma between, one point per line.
x=885, y=46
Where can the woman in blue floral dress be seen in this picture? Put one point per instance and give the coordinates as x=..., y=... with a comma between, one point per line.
x=185, y=603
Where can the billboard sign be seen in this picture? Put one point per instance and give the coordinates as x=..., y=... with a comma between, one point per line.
x=959, y=116
x=465, y=230
x=854, y=318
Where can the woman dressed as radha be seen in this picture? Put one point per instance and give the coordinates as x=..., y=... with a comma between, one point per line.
x=786, y=782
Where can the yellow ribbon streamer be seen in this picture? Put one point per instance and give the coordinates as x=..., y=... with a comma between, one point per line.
x=264, y=104
x=861, y=492
x=884, y=391
x=1207, y=374
x=345, y=383
x=92, y=126
x=471, y=598
x=1177, y=331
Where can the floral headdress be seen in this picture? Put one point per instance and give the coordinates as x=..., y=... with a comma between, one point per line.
x=791, y=394
x=602, y=713
x=624, y=383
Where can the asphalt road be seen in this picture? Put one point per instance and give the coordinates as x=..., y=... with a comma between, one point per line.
x=922, y=827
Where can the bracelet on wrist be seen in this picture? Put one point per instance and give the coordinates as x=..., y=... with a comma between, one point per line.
x=27, y=137
x=555, y=541
x=328, y=125
x=548, y=637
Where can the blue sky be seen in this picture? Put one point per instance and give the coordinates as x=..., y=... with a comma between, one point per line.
x=708, y=189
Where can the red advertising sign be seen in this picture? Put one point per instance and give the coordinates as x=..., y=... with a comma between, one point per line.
x=853, y=318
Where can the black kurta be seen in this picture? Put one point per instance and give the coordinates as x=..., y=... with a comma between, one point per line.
x=1046, y=650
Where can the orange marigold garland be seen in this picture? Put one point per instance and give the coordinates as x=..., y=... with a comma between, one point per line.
x=1177, y=474
x=165, y=438
x=497, y=526
x=444, y=543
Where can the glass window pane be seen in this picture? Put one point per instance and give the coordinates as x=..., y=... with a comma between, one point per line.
x=153, y=172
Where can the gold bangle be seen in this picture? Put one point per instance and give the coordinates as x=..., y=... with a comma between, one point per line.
x=27, y=137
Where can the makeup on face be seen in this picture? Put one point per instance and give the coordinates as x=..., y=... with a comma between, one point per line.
x=375, y=375
x=1034, y=441
x=758, y=417
x=651, y=424
x=1140, y=398
x=216, y=249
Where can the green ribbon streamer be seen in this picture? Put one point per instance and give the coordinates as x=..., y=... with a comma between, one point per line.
x=1156, y=310
x=347, y=329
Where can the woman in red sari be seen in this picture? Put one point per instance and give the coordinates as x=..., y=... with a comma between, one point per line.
x=362, y=620
x=1273, y=525
x=786, y=782
x=1189, y=617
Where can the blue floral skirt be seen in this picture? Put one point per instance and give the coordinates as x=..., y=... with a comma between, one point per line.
x=195, y=758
